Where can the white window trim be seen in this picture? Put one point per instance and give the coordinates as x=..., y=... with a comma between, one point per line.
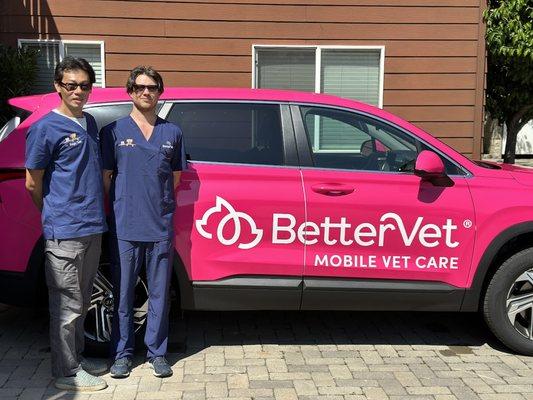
x=318, y=61
x=318, y=76
x=62, y=43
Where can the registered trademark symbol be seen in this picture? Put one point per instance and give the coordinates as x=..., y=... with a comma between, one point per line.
x=467, y=223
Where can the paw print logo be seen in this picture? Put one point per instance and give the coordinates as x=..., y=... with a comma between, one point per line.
x=127, y=143
x=72, y=139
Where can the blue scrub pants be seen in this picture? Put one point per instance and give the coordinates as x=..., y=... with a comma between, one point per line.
x=128, y=257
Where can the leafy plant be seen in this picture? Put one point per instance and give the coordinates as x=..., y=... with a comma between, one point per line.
x=510, y=66
x=18, y=70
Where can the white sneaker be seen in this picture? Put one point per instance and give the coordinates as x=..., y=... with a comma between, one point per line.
x=81, y=382
x=94, y=366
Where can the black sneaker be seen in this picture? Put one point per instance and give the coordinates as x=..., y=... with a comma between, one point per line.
x=94, y=366
x=160, y=367
x=121, y=368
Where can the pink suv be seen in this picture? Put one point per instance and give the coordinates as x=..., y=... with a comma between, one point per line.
x=305, y=201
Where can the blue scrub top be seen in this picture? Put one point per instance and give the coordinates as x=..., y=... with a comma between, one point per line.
x=73, y=194
x=142, y=188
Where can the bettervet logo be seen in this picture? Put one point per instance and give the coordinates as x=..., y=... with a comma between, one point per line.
x=286, y=229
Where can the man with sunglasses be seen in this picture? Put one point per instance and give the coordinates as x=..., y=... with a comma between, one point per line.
x=143, y=157
x=63, y=176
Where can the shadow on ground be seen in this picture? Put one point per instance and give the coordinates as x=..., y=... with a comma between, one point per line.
x=193, y=331
x=198, y=330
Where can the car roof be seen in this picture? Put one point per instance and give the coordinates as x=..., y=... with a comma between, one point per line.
x=194, y=93
x=111, y=95
x=107, y=95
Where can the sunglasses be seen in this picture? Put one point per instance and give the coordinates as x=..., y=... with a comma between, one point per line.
x=70, y=87
x=140, y=88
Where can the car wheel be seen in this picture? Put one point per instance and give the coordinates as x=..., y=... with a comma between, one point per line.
x=508, y=303
x=99, y=319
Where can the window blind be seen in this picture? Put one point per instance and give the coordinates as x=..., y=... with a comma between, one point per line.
x=91, y=52
x=286, y=69
x=353, y=74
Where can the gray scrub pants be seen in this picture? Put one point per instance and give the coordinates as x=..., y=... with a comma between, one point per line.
x=70, y=268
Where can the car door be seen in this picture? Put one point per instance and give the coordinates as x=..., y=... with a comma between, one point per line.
x=242, y=170
x=377, y=236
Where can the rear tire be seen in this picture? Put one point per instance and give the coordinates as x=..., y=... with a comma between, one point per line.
x=508, y=303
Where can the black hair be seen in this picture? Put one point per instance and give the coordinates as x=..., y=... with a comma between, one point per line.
x=71, y=64
x=144, y=70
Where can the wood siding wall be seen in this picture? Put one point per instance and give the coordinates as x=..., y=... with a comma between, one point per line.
x=434, y=50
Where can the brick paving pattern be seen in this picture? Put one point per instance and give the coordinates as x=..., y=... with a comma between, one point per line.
x=290, y=355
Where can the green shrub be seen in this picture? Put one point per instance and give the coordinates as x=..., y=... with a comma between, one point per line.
x=510, y=66
x=18, y=70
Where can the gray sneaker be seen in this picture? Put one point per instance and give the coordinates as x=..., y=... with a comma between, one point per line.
x=160, y=367
x=121, y=368
x=81, y=382
x=94, y=366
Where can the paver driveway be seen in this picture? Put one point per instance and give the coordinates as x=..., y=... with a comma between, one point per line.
x=282, y=356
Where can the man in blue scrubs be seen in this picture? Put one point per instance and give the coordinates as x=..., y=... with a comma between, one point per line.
x=142, y=162
x=63, y=176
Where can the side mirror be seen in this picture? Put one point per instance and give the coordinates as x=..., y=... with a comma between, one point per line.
x=430, y=167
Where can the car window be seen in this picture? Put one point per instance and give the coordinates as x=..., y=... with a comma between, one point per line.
x=346, y=140
x=107, y=113
x=230, y=132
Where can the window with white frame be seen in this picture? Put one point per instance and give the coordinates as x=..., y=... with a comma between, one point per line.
x=50, y=52
x=354, y=72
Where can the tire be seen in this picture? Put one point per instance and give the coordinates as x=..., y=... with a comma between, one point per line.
x=508, y=303
x=99, y=317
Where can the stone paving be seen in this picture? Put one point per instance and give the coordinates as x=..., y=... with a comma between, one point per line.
x=290, y=355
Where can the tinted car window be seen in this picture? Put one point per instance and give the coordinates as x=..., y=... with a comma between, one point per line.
x=105, y=114
x=230, y=132
x=108, y=113
x=346, y=140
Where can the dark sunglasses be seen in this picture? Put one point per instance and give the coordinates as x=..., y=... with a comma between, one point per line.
x=73, y=86
x=140, y=88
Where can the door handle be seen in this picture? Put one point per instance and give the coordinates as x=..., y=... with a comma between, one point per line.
x=332, y=189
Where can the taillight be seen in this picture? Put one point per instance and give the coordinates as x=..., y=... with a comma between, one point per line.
x=9, y=174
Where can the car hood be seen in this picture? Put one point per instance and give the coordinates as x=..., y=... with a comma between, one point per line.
x=523, y=175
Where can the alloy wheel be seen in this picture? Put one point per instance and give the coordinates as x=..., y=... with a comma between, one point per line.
x=99, y=320
x=520, y=304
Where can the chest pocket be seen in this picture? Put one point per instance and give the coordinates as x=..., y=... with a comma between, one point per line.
x=129, y=157
x=165, y=159
x=166, y=154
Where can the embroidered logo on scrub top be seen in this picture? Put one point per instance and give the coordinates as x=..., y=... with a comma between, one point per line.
x=167, y=145
x=127, y=142
x=72, y=140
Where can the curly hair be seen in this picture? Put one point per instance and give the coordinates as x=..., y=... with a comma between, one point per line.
x=144, y=70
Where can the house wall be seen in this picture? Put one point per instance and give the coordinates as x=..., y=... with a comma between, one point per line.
x=434, y=50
